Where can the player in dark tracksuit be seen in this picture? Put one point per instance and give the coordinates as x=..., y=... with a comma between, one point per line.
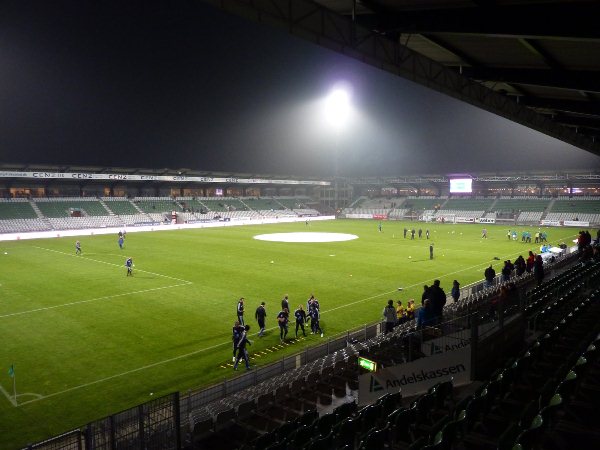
x=283, y=319
x=260, y=316
x=285, y=304
x=314, y=318
x=241, y=348
x=235, y=337
x=240, y=311
x=300, y=315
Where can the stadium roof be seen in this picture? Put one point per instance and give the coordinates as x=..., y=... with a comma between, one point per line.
x=536, y=62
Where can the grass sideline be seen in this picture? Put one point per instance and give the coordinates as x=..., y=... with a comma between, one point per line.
x=87, y=341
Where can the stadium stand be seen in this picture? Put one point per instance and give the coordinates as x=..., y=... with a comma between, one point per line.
x=120, y=206
x=75, y=223
x=23, y=225
x=157, y=204
x=263, y=204
x=513, y=205
x=293, y=202
x=16, y=209
x=468, y=204
x=64, y=206
x=530, y=217
x=576, y=206
x=418, y=204
x=467, y=214
x=222, y=204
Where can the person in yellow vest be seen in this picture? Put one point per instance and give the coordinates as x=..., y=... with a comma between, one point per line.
x=410, y=310
x=400, y=312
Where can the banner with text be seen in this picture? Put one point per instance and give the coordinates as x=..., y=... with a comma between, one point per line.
x=576, y=223
x=486, y=220
x=418, y=376
x=550, y=223
x=138, y=177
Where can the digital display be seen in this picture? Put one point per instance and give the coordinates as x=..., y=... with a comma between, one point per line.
x=219, y=192
x=461, y=185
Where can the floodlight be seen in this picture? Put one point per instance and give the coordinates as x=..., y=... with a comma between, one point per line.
x=338, y=107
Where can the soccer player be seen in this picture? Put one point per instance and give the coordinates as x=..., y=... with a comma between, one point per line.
x=315, y=315
x=121, y=240
x=427, y=233
x=78, y=248
x=405, y=231
x=235, y=337
x=241, y=348
x=300, y=315
x=412, y=234
x=484, y=233
x=283, y=319
x=260, y=316
x=379, y=227
x=431, y=251
x=285, y=304
x=420, y=233
x=129, y=265
x=240, y=310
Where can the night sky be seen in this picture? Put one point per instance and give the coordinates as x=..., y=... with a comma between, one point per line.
x=187, y=86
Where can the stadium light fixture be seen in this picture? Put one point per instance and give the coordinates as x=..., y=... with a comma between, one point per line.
x=338, y=107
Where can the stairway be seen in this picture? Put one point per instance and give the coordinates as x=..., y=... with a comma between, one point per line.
x=105, y=206
x=40, y=215
x=548, y=209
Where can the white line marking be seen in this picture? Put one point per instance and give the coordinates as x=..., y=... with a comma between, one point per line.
x=79, y=302
x=110, y=264
x=8, y=396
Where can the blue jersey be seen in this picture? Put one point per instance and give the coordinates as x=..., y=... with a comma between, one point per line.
x=129, y=263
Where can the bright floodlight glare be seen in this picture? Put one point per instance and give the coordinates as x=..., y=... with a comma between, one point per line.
x=338, y=107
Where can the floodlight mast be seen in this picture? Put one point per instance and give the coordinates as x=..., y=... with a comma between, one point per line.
x=337, y=111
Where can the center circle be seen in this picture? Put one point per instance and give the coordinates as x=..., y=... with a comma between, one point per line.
x=306, y=237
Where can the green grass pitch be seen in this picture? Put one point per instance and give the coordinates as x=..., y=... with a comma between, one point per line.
x=87, y=341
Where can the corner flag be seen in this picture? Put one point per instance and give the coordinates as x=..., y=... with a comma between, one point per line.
x=11, y=371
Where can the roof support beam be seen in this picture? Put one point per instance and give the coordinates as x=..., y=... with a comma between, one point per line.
x=591, y=108
x=449, y=48
x=579, y=80
x=534, y=47
x=338, y=33
x=552, y=21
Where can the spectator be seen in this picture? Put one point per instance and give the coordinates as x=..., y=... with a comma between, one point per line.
x=425, y=294
x=538, y=269
x=437, y=298
x=400, y=313
x=506, y=271
x=520, y=265
x=530, y=262
x=489, y=275
x=389, y=315
x=410, y=310
x=455, y=292
x=425, y=315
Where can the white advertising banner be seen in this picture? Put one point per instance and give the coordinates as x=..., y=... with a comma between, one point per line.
x=138, y=177
x=576, y=223
x=359, y=216
x=486, y=220
x=550, y=223
x=416, y=377
x=465, y=220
